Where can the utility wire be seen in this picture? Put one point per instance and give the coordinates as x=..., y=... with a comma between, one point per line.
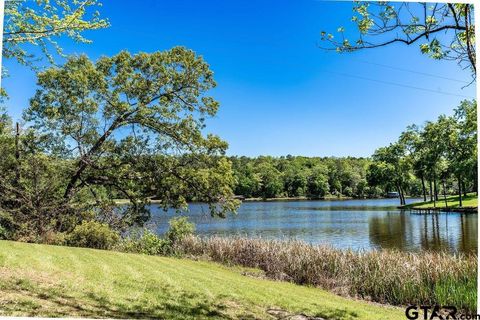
x=397, y=84
x=412, y=71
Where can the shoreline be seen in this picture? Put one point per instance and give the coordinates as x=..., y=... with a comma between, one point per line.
x=412, y=207
x=279, y=199
x=469, y=205
x=313, y=199
x=469, y=210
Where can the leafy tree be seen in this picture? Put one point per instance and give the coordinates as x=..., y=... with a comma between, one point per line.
x=271, y=184
x=391, y=169
x=317, y=184
x=380, y=174
x=132, y=125
x=247, y=181
x=416, y=151
x=460, y=134
x=40, y=23
x=295, y=180
x=442, y=30
x=435, y=147
x=466, y=117
x=30, y=184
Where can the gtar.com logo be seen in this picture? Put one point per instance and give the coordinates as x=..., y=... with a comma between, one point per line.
x=436, y=313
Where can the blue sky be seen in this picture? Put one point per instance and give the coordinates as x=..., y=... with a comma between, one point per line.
x=279, y=93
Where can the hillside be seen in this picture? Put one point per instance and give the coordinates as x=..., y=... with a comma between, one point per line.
x=41, y=280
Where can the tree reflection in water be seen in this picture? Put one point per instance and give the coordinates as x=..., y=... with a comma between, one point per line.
x=453, y=232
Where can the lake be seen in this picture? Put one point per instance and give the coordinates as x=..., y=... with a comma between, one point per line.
x=355, y=224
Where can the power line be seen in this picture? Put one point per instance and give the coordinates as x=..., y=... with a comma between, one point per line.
x=397, y=84
x=412, y=71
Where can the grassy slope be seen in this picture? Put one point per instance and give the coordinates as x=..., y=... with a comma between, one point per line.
x=471, y=200
x=41, y=280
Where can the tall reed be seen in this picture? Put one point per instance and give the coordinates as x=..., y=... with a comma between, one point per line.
x=385, y=276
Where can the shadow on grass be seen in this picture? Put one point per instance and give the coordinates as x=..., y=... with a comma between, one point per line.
x=23, y=297
x=52, y=302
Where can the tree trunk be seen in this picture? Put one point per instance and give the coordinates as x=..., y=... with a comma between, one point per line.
x=464, y=189
x=445, y=194
x=17, y=154
x=431, y=191
x=475, y=182
x=402, y=194
x=84, y=161
x=459, y=191
x=435, y=189
x=399, y=190
x=423, y=189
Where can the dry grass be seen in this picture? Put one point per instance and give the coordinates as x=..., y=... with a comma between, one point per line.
x=392, y=277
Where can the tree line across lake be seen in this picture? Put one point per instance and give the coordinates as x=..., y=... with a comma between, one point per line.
x=130, y=127
x=434, y=159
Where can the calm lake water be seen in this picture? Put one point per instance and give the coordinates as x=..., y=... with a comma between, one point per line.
x=356, y=224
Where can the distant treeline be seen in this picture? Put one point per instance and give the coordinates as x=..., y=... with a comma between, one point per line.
x=296, y=176
x=310, y=177
x=435, y=159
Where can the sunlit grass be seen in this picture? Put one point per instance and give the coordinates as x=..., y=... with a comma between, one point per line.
x=41, y=280
x=471, y=200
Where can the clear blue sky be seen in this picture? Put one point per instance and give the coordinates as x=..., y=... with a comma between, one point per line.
x=279, y=93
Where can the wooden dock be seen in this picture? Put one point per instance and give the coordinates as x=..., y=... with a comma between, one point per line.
x=441, y=209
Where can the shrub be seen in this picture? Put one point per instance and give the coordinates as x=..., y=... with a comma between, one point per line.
x=92, y=234
x=54, y=238
x=148, y=243
x=180, y=228
x=152, y=244
x=7, y=226
x=4, y=234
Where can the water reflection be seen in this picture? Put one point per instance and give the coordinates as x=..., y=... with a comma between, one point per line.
x=356, y=224
x=406, y=231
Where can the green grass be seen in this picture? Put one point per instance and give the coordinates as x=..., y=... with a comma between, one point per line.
x=471, y=200
x=42, y=280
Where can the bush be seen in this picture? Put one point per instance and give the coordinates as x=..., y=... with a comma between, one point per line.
x=148, y=243
x=54, y=238
x=180, y=228
x=4, y=235
x=7, y=226
x=92, y=234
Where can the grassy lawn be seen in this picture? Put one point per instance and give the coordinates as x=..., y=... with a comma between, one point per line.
x=471, y=200
x=41, y=280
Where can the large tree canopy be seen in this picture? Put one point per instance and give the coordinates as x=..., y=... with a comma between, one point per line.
x=442, y=30
x=130, y=126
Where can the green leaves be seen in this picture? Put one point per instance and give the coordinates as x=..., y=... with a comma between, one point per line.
x=434, y=49
x=133, y=125
x=381, y=24
x=443, y=149
x=40, y=23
